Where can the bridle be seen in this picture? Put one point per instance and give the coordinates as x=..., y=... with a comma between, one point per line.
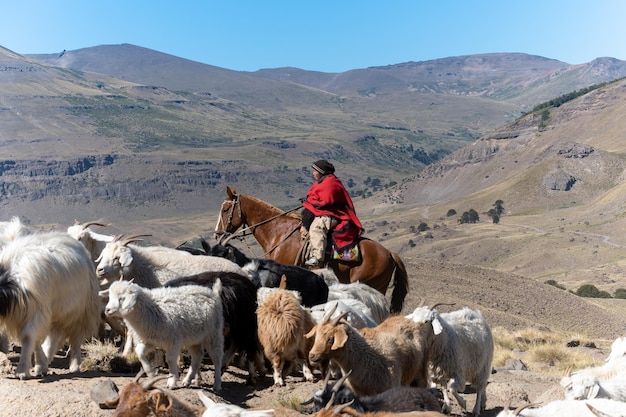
x=246, y=229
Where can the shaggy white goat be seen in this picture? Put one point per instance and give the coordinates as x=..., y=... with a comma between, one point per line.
x=94, y=242
x=569, y=408
x=153, y=266
x=356, y=313
x=460, y=350
x=618, y=349
x=373, y=299
x=582, y=387
x=170, y=318
x=48, y=290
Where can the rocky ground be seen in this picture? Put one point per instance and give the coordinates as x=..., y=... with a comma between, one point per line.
x=507, y=301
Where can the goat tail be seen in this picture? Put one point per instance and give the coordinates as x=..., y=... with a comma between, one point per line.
x=11, y=295
x=400, y=284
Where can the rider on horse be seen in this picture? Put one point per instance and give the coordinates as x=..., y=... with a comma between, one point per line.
x=328, y=208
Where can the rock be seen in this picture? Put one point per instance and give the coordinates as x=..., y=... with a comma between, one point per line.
x=103, y=392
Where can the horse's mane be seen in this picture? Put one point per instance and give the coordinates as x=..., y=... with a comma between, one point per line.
x=268, y=206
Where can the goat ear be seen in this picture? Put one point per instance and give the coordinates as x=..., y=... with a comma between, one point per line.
x=593, y=391
x=126, y=257
x=341, y=337
x=162, y=401
x=437, y=326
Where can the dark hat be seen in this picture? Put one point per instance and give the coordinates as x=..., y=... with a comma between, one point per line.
x=323, y=167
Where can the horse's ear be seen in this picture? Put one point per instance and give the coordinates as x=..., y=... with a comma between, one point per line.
x=231, y=192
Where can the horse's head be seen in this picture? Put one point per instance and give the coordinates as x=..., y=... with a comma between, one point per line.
x=230, y=217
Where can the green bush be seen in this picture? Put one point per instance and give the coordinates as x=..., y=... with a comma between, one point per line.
x=451, y=212
x=422, y=227
x=555, y=284
x=591, y=291
x=620, y=293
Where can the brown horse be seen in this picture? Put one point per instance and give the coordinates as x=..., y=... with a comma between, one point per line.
x=278, y=233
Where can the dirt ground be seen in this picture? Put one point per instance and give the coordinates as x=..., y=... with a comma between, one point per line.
x=508, y=301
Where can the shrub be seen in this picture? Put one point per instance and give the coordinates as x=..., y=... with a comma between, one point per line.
x=591, y=291
x=422, y=227
x=620, y=293
x=555, y=284
x=451, y=212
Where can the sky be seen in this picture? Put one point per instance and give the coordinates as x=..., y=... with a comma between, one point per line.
x=320, y=35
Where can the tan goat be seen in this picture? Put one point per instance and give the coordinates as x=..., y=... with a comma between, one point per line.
x=380, y=358
x=282, y=324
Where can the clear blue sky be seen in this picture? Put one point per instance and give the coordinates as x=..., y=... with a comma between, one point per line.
x=323, y=35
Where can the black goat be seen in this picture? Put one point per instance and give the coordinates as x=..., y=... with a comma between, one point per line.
x=311, y=286
x=239, y=302
x=397, y=400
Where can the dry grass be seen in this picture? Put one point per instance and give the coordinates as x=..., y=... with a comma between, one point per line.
x=541, y=351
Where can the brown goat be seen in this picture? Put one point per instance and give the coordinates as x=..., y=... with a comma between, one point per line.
x=380, y=358
x=143, y=400
x=346, y=410
x=282, y=324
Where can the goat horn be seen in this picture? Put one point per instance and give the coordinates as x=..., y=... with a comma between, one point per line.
x=596, y=411
x=148, y=384
x=441, y=304
x=339, y=409
x=328, y=315
x=94, y=223
x=523, y=407
x=340, y=381
x=422, y=301
x=307, y=402
x=138, y=376
x=568, y=372
x=337, y=319
x=132, y=238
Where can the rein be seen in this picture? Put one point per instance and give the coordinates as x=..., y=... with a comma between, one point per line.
x=250, y=228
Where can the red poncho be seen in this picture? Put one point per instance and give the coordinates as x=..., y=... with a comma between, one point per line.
x=328, y=197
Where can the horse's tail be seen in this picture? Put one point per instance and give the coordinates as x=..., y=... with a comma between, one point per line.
x=400, y=284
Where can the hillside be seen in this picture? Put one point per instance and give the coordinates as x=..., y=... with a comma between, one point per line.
x=562, y=185
x=175, y=132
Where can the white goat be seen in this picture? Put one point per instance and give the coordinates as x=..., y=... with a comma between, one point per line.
x=153, y=266
x=11, y=230
x=94, y=242
x=604, y=381
x=356, y=313
x=569, y=408
x=460, y=350
x=171, y=318
x=215, y=409
x=48, y=290
x=374, y=300
x=582, y=387
x=618, y=349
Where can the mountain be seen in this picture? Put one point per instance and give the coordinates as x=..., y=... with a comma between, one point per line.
x=130, y=134
x=559, y=172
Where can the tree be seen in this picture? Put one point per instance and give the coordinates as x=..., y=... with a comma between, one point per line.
x=498, y=206
x=422, y=227
x=591, y=291
x=493, y=213
x=470, y=216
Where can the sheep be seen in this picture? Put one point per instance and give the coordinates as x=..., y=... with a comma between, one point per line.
x=311, y=286
x=239, y=305
x=282, y=326
x=94, y=242
x=380, y=358
x=170, y=318
x=373, y=299
x=153, y=266
x=358, y=314
x=48, y=290
x=460, y=349
x=397, y=399
x=618, y=349
x=144, y=399
x=582, y=387
x=568, y=408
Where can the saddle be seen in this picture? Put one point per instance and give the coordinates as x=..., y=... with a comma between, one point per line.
x=348, y=254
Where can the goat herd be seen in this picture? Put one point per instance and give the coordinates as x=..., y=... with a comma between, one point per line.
x=61, y=287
